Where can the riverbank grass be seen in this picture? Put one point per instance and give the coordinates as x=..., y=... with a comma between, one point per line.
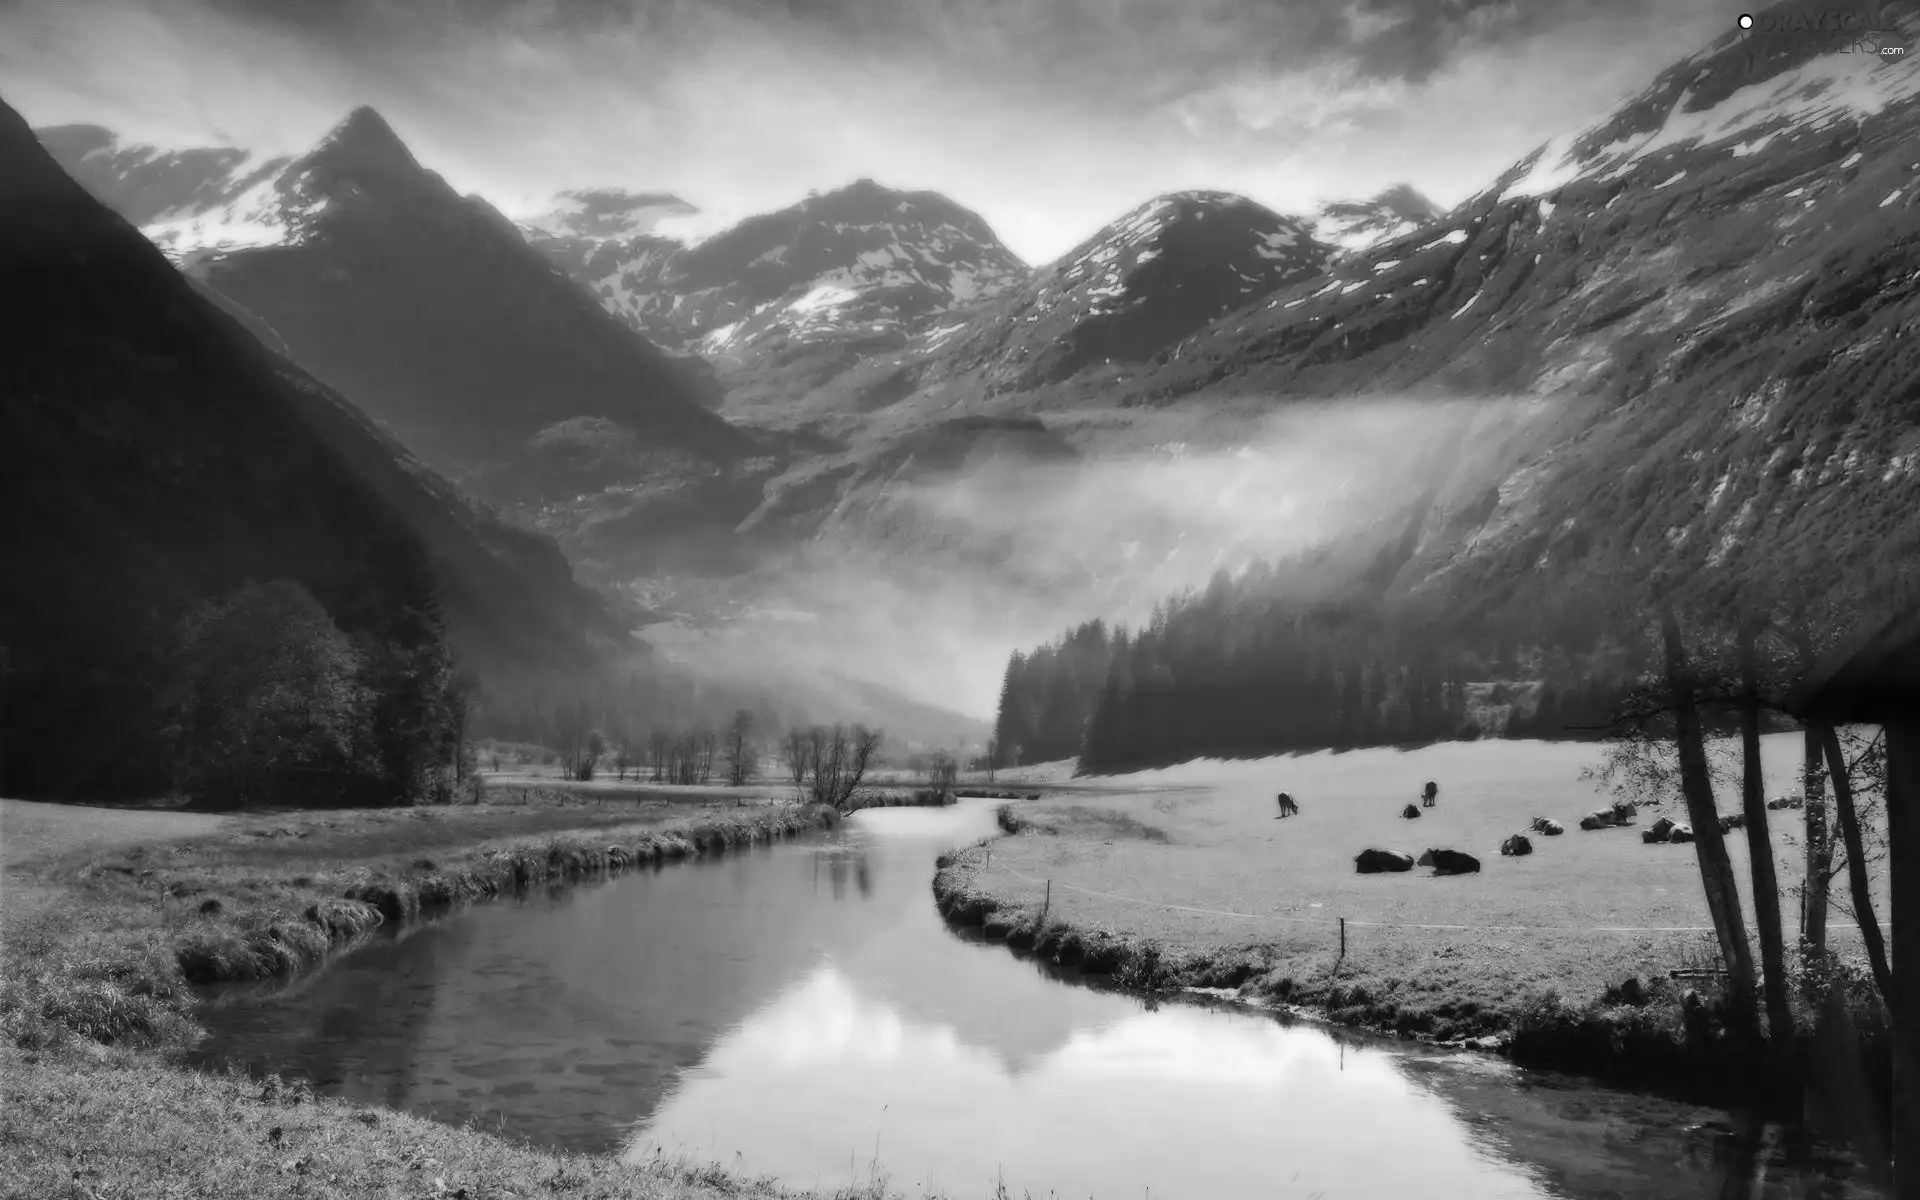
x=89, y=1126
x=107, y=916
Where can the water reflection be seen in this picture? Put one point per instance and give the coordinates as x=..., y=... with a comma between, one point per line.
x=761, y=1011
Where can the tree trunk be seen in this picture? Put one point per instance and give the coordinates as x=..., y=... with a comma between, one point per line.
x=1813, y=788
x=1857, y=864
x=1716, y=872
x=1903, y=869
x=1766, y=885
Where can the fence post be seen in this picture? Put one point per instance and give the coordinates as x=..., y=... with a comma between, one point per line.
x=1343, y=937
x=1048, y=906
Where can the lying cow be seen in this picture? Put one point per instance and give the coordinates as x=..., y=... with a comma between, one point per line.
x=1600, y=818
x=1625, y=811
x=1659, y=831
x=1450, y=862
x=1410, y=812
x=1736, y=821
x=1548, y=826
x=1516, y=845
x=1681, y=834
x=1373, y=862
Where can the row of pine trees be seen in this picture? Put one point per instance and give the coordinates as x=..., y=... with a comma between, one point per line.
x=1235, y=670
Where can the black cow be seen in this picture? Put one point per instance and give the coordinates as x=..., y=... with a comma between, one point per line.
x=1287, y=807
x=1431, y=795
x=1736, y=821
x=1373, y=862
x=1410, y=812
x=1659, y=831
x=1516, y=845
x=1625, y=811
x=1449, y=862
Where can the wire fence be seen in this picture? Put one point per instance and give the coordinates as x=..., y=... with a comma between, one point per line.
x=1343, y=923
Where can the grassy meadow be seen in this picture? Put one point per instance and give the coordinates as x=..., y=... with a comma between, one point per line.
x=1581, y=914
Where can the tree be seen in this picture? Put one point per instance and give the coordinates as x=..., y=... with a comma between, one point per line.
x=1710, y=847
x=743, y=754
x=943, y=772
x=268, y=685
x=795, y=751
x=837, y=761
x=1753, y=801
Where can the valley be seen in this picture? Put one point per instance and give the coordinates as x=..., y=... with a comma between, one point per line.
x=545, y=639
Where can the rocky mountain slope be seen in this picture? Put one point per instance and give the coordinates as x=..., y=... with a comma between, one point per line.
x=1710, y=296
x=156, y=455
x=432, y=312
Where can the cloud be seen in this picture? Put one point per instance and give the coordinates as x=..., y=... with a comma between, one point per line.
x=1047, y=116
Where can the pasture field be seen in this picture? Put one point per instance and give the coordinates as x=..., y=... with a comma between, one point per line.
x=1585, y=911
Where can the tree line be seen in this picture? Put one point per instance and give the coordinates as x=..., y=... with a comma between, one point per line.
x=270, y=701
x=1237, y=669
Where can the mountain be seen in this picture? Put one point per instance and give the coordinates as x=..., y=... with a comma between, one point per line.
x=432, y=312
x=603, y=216
x=864, y=257
x=1140, y=284
x=1685, y=337
x=156, y=455
x=187, y=201
x=1711, y=293
x=1356, y=225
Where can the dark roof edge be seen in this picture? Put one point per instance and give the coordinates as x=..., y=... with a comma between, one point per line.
x=1832, y=690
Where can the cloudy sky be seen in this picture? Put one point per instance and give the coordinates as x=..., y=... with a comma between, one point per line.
x=1049, y=117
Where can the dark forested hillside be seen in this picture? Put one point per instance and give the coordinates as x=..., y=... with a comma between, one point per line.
x=1242, y=669
x=155, y=458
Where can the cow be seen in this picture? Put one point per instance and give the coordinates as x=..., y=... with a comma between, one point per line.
x=1731, y=823
x=1681, y=834
x=1516, y=845
x=1431, y=795
x=1287, y=807
x=1600, y=818
x=1548, y=826
x=1659, y=831
x=1625, y=811
x=1410, y=812
x=1449, y=862
x=1373, y=862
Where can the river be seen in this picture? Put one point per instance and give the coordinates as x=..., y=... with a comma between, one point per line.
x=801, y=1011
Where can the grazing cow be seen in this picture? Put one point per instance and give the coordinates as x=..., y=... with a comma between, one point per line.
x=1450, y=862
x=1373, y=862
x=1736, y=821
x=1410, y=812
x=1287, y=807
x=1681, y=834
x=1430, y=795
x=1548, y=826
x=1516, y=845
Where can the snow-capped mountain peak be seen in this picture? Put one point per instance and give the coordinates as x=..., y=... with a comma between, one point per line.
x=1355, y=226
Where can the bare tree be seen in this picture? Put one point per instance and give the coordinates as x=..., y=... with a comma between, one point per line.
x=1753, y=803
x=1710, y=847
x=1849, y=821
x=837, y=762
x=625, y=751
x=943, y=772
x=743, y=754
x=794, y=754
x=660, y=755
